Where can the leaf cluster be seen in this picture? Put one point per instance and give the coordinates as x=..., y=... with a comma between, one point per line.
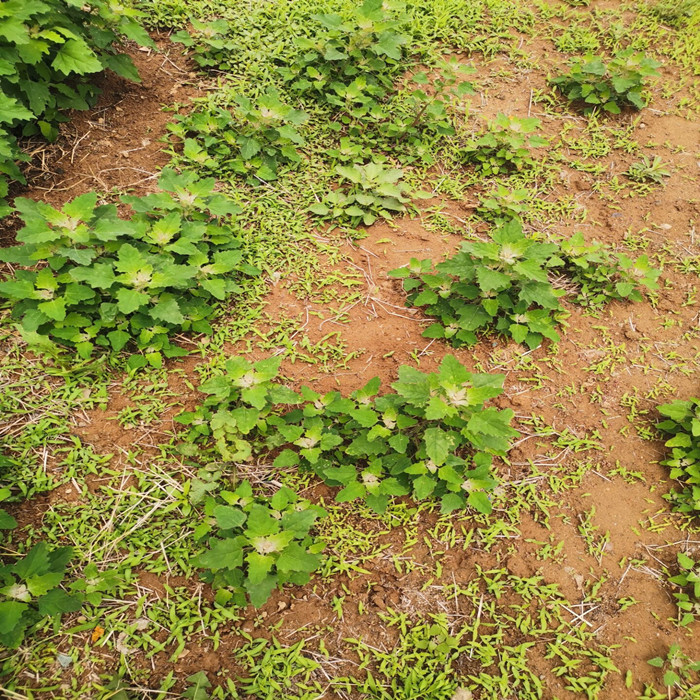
x=31, y=590
x=504, y=285
x=500, y=285
x=253, y=142
x=600, y=274
x=7, y=522
x=688, y=600
x=210, y=44
x=505, y=147
x=255, y=544
x=682, y=423
x=648, y=170
x=678, y=667
x=366, y=193
x=350, y=63
x=241, y=399
x=502, y=204
x=50, y=51
x=432, y=437
x=609, y=86
x=102, y=281
x=422, y=107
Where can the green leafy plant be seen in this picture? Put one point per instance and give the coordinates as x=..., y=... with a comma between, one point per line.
x=197, y=687
x=433, y=437
x=367, y=192
x=240, y=400
x=412, y=116
x=351, y=62
x=688, y=600
x=210, y=44
x=7, y=522
x=423, y=105
x=504, y=285
x=648, y=170
x=502, y=204
x=256, y=544
x=505, y=147
x=678, y=669
x=612, y=86
x=253, y=142
x=682, y=423
x=499, y=285
x=104, y=281
x=31, y=592
x=51, y=50
x=600, y=274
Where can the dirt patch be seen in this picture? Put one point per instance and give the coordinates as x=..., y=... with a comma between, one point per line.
x=116, y=146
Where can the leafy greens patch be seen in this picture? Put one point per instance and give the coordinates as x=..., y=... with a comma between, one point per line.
x=104, y=281
x=682, y=423
x=504, y=285
x=255, y=544
x=433, y=436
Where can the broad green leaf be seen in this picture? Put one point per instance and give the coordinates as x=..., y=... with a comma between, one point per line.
x=437, y=445
x=223, y=554
x=7, y=522
x=130, y=300
x=40, y=585
x=98, y=275
x=299, y=522
x=451, y=502
x=259, y=566
x=54, y=309
x=57, y=602
x=11, y=111
x=423, y=486
x=17, y=289
x=260, y=592
x=261, y=522
x=296, y=558
x=118, y=339
x=677, y=410
x=35, y=563
x=491, y=421
x=228, y=517
x=82, y=207
x=11, y=612
x=286, y=458
x=352, y=491
x=492, y=280
x=75, y=56
x=215, y=287
x=123, y=66
x=480, y=501
x=169, y=311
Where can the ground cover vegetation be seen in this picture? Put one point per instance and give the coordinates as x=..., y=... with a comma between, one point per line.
x=374, y=384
